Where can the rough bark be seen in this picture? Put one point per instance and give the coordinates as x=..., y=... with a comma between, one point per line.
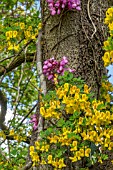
x=79, y=35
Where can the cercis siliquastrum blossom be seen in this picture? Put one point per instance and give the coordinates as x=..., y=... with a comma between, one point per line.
x=52, y=67
x=55, y=7
x=34, y=120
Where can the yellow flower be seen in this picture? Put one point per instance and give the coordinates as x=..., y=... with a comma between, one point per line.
x=100, y=160
x=33, y=37
x=73, y=159
x=78, y=155
x=110, y=146
x=9, y=34
x=53, y=139
x=74, y=144
x=86, y=89
x=42, y=111
x=14, y=34
x=37, y=144
x=47, y=148
x=16, y=137
x=11, y=133
x=43, y=162
x=82, y=152
x=10, y=47
x=66, y=87
x=110, y=26
x=1, y=163
x=80, y=120
x=73, y=89
x=16, y=47
x=27, y=34
x=31, y=148
x=39, y=26
x=35, y=157
x=49, y=159
x=106, y=43
x=22, y=25
x=30, y=28
x=87, y=152
x=61, y=163
x=106, y=58
x=55, y=163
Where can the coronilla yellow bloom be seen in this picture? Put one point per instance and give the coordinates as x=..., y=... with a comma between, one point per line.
x=73, y=159
x=30, y=28
x=106, y=43
x=39, y=26
x=53, y=139
x=31, y=148
x=14, y=34
x=106, y=59
x=11, y=133
x=87, y=152
x=43, y=162
x=22, y=25
x=49, y=159
x=61, y=163
x=16, y=47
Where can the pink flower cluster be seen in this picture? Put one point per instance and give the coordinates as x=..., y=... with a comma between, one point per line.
x=52, y=66
x=55, y=7
x=34, y=120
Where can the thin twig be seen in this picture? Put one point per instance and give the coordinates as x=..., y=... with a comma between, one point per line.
x=26, y=116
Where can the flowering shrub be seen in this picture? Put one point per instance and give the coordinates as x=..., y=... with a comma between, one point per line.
x=80, y=125
x=55, y=7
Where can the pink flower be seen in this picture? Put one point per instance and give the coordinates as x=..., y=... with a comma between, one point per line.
x=34, y=120
x=55, y=7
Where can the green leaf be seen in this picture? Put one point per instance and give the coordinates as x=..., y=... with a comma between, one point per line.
x=60, y=122
x=71, y=135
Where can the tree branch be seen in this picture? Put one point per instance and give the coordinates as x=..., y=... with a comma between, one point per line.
x=17, y=62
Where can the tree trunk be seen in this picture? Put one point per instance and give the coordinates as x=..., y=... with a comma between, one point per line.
x=79, y=35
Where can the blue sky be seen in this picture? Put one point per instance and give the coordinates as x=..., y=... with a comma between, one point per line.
x=110, y=68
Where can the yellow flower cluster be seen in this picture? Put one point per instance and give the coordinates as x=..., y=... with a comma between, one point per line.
x=43, y=147
x=11, y=34
x=57, y=163
x=106, y=89
x=108, y=55
x=16, y=136
x=28, y=34
x=62, y=138
x=109, y=16
x=108, y=58
x=92, y=122
x=34, y=156
x=78, y=155
x=71, y=98
x=51, y=111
